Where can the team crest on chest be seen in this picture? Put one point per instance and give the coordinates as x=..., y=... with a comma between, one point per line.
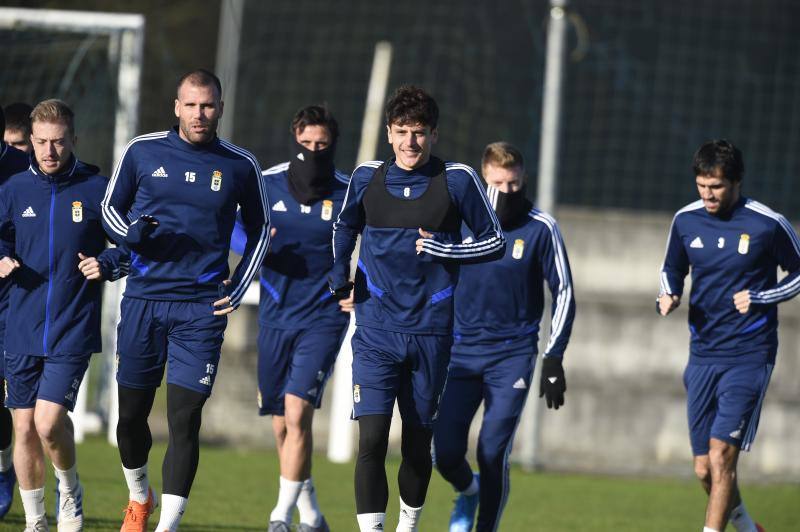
x=327, y=209
x=216, y=180
x=77, y=211
x=519, y=248
x=744, y=244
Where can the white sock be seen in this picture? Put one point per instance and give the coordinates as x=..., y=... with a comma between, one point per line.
x=310, y=513
x=473, y=487
x=708, y=529
x=370, y=522
x=138, y=484
x=6, y=459
x=67, y=480
x=33, y=502
x=172, y=508
x=741, y=520
x=409, y=518
x=287, y=498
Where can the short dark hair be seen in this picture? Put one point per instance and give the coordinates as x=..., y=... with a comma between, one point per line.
x=2, y=123
x=412, y=105
x=200, y=77
x=315, y=115
x=719, y=156
x=18, y=117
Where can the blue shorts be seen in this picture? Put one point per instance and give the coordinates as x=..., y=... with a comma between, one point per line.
x=724, y=402
x=54, y=378
x=184, y=334
x=409, y=368
x=295, y=361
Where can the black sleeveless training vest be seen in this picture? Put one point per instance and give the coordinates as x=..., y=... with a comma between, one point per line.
x=433, y=211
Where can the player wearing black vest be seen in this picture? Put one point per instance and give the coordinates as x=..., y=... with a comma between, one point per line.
x=408, y=211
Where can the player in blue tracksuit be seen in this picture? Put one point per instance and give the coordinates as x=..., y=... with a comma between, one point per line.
x=12, y=161
x=733, y=246
x=409, y=212
x=51, y=233
x=498, y=307
x=301, y=326
x=172, y=200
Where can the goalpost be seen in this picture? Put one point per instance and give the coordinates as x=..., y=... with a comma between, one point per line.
x=123, y=37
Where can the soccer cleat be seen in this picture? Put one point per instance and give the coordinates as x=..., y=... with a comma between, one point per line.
x=277, y=526
x=323, y=527
x=463, y=515
x=7, y=481
x=39, y=526
x=137, y=514
x=69, y=509
x=759, y=528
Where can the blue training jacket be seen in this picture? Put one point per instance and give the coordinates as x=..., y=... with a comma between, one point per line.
x=294, y=277
x=45, y=221
x=499, y=304
x=12, y=161
x=193, y=191
x=397, y=289
x=740, y=251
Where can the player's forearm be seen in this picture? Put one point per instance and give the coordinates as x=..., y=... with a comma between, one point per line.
x=115, y=263
x=344, y=242
x=786, y=289
x=254, y=252
x=561, y=322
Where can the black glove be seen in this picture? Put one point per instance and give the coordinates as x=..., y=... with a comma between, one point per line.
x=140, y=230
x=340, y=292
x=553, y=383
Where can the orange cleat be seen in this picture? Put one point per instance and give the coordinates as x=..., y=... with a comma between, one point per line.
x=136, y=514
x=759, y=528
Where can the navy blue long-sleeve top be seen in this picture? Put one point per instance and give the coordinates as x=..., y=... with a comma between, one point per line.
x=193, y=191
x=397, y=289
x=294, y=276
x=45, y=221
x=499, y=304
x=741, y=251
x=12, y=161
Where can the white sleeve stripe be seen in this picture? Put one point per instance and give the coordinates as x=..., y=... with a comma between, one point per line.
x=278, y=168
x=341, y=177
x=468, y=246
x=565, y=286
x=252, y=267
x=249, y=156
x=338, y=216
x=483, y=247
x=663, y=282
x=460, y=256
x=784, y=223
x=111, y=216
x=475, y=179
x=779, y=293
x=561, y=269
x=263, y=242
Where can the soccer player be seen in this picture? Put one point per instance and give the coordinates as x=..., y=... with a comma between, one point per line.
x=733, y=246
x=301, y=327
x=172, y=201
x=12, y=161
x=51, y=233
x=18, y=126
x=498, y=307
x=409, y=211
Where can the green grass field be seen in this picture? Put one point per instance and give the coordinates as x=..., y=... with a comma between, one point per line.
x=235, y=490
